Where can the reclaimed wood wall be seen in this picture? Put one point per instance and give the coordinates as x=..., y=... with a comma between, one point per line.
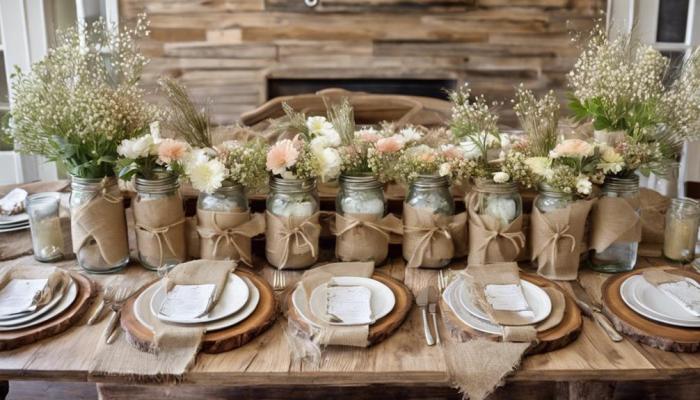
x=225, y=50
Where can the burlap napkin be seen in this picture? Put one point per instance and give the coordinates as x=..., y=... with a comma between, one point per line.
x=57, y=279
x=556, y=238
x=227, y=235
x=325, y=334
x=431, y=240
x=657, y=276
x=653, y=215
x=102, y=219
x=291, y=242
x=160, y=229
x=364, y=237
x=615, y=220
x=489, y=242
x=201, y=272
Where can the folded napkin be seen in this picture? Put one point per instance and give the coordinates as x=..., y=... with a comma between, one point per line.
x=684, y=291
x=201, y=272
x=56, y=280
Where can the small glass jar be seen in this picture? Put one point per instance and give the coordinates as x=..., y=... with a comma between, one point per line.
x=431, y=192
x=501, y=201
x=292, y=197
x=228, y=198
x=47, y=237
x=160, y=221
x=681, y=233
x=549, y=199
x=89, y=254
x=360, y=194
x=619, y=256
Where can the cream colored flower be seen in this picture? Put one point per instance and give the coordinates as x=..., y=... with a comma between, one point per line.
x=207, y=176
x=501, y=177
x=445, y=169
x=576, y=148
x=583, y=185
x=540, y=166
x=410, y=134
x=140, y=147
x=329, y=162
x=610, y=160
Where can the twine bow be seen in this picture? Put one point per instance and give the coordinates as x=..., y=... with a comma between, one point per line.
x=516, y=239
x=297, y=233
x=556, y=234
x=430, y=234
x=247, y=230
x=160, y=233
x=381, y=227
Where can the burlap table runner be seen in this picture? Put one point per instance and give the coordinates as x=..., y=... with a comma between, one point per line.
x=430, y=240
x=653, y=215
x=364, y=237
x=160, y=229
x=615, y=220
x=489, y=241
x=174, y=348
x=101, y=219
x=227, y=235
x=556, y=238
x=291, y=242
x=57, y=279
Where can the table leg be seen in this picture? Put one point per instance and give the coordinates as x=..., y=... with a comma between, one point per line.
x=4, y=389
x=587, y=390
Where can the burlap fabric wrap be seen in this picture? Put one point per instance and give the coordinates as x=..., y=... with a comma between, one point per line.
x=477, y=367
x=489, y=241
x=174, y=348
x=160, y=229
x=227, y=235
x=653, y=214
x=431, y=240
x=556, y=238
x=615, y=220
x=101, y=219
x=57, y=280
x=292, y=242
x=657, y=276
x=364, y=237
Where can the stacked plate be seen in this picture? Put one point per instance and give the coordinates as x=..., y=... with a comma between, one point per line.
x=381, y=299
x=238, y=300
x=60, y=302
x=11, y=223
x=650, y=302
x=466, y=308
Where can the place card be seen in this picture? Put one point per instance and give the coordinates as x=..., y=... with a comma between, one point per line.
x=507, y=298
x=685, y=292
x=349, y=304
x=19, y=294
x=187, y=301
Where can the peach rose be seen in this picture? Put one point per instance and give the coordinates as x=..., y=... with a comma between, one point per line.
x=368, y=136
x=170, y=150
x=391, y=144
x=572, y=148
x=281, y=156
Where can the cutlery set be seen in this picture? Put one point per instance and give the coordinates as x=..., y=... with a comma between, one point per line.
x=426, y=300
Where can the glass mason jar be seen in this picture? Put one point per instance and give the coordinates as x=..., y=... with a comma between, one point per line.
x=160, y=221
x=47, y=237
x=228, y=198
x=220, y=211
x=501, y=201
x=360, y=194
x=292, y=197
x=90, y=256
x=619, y=256
x=549, y=199
x=431, y=192
x=681, y=233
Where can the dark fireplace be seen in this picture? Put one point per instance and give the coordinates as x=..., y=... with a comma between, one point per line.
x=435, y=88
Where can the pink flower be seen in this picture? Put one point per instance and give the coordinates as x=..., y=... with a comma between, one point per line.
x=572, y=148
x=368, y=136
x=392, y=144
x=170, y=150
x=451, y=152
x=281, y=156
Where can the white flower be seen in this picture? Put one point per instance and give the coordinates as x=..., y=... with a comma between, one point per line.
x=332, y=136
x=329, y=162
x=137, y=148
x=471, y=150
x=583, y=185
x=502, y=209
x=195, y=157
x=316, y=125
x=207, y=176
x=611, y=160
x=501, y=177
x=410, y=134
x=445, y=169
x=540, y=166
x=319, y=143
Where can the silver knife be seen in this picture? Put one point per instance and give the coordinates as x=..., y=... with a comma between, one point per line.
x=591, y=309
x=433, y=298
x=422, y=302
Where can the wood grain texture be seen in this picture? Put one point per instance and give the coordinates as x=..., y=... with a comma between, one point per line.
x=385, y=327
x=218, y=341
x=662, y=336
x=60, y=323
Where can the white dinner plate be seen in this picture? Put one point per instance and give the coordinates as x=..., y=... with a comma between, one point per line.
x=16, y=228
x=66, y=300
x=382, y=300
x=536, y=297
x=142, y=308
x=14, y=219
x=232, y=299
x=24, y=318
x=648, y=301
x=452, y=295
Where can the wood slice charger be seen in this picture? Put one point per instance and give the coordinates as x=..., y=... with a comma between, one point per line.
x=552, y=339
x=221, y=340
x=384, y=327
x=643, y=330
x=60, y=323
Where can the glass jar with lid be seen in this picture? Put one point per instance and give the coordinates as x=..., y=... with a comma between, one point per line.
x=501, y=201
x=218, y=213
x=360, y=194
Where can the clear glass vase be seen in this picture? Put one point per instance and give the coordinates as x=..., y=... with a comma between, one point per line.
x=681, y=232
x=501, y=201
x=549, y=199
x=360, y=194
x=217, y=214
x=47, y=236
x=228, y=198
x=431, y=192
x=292, y=197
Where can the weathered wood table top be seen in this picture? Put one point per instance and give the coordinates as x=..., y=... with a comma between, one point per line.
x=402, y=359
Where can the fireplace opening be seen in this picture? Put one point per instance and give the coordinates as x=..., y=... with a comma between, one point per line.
x=436, y=88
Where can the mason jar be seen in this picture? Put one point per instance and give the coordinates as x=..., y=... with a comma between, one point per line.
x=160, y=221
x=549, y=199
x=360, y=194
x=45, y=223
x=228, y=198
x=431, y=192
x=98, y=225
x=217, y=213
x=681, y=232
x=619, y=256
x=292, y=197
x=501, y=201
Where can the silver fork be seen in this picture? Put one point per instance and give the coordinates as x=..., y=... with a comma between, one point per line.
x=442, y=279
x=279, y=281
x=107, y=297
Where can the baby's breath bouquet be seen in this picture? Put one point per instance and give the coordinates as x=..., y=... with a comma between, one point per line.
x=78, y=103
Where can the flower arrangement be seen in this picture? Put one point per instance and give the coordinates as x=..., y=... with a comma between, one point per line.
x=148, y=155
x=292, y=159
x=76, y=105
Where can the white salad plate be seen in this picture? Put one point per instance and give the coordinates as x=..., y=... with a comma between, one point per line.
x=24, y=318
x=650, y=302
x=536, y=297
x=49, y=311
x=14, y=228
x=382, y=299
x=232, y=299
x=143, y=301
x=452, y=296
x=6, y=220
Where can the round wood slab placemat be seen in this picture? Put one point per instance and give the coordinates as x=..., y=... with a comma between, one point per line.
x=221, y=340
x=381, y=329
x=552, y=339
x=643, y=330
x=63, y=321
